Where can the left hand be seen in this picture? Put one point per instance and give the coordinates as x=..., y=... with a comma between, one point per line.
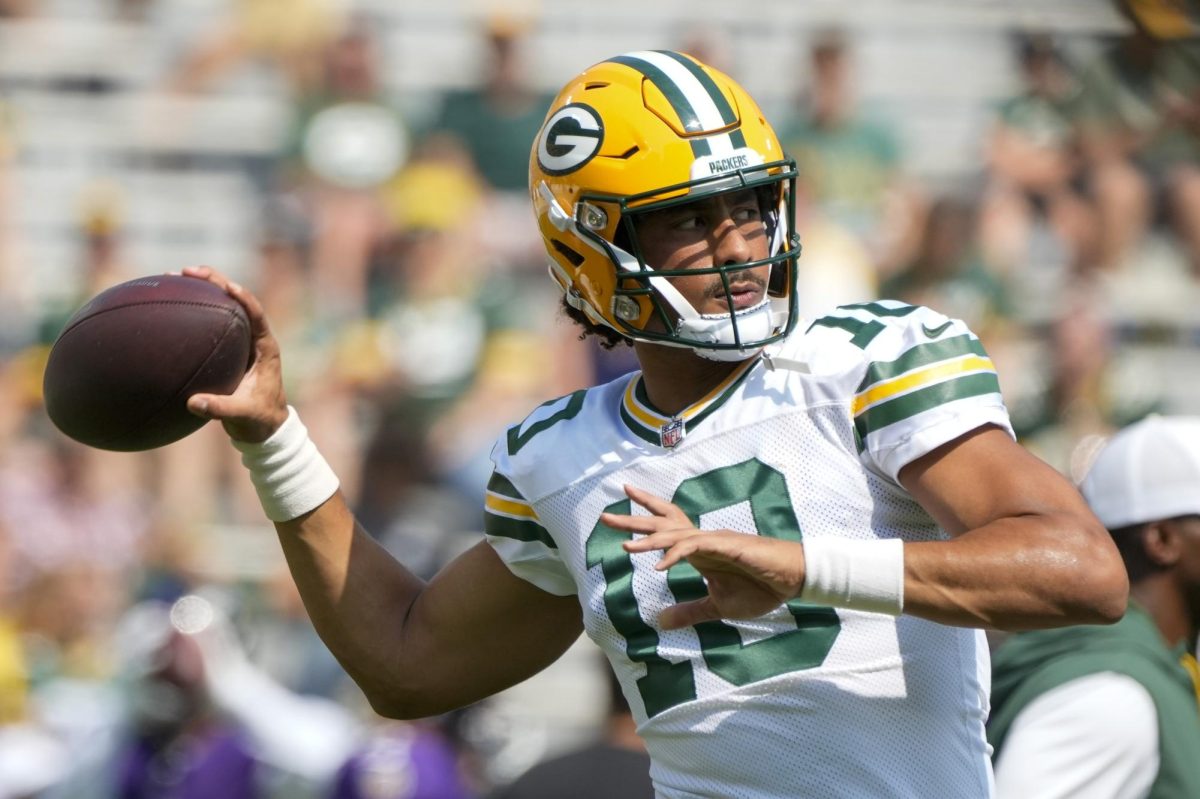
x=747, y=575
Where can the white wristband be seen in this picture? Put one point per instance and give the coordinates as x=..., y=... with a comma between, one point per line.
x=288, y=472
x=857, y=575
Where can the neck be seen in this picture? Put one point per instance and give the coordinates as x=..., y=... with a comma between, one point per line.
x=675, y=378
x=1167, y=606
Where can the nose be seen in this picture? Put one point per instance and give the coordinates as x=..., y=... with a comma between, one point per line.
x=729, y=245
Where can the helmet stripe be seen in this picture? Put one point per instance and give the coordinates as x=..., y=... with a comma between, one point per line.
x=728, y=115
x=694, y=101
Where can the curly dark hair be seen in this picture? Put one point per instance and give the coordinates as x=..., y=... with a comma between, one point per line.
x=607, y=337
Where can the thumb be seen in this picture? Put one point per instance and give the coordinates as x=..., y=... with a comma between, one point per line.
x=686, y=614
x=209, y=406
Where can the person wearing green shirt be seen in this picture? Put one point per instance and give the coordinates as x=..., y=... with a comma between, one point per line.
x=1112, y=711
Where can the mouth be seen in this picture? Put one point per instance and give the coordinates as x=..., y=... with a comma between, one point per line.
x=742, y=294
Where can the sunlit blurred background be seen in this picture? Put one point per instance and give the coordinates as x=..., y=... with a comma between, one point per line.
x=1030, y=167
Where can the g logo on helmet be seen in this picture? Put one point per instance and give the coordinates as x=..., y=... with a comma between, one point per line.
x=570, y=139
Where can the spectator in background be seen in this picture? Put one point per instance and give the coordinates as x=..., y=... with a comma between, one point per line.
x=497, y=119
x=1070, y=397
x=492, y=123
x=416, y=516
x=17, y=9
x=1107, y=712
x=347, y=141
x=177, y=746
x=615, y=766
x=64, y=507
x=1034, y=173
x=850, y=165
x=15, y=313
x=286, y=36
x=100, y=231
x=1139, y=123
x=948, y=273
x=403, y=760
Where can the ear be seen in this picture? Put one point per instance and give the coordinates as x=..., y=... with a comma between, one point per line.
x=1163, y=543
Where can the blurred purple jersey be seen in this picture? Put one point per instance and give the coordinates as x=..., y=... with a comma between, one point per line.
x=402, y=762
x=213, y=762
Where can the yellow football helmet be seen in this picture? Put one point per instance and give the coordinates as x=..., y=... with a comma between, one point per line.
x=638, y=133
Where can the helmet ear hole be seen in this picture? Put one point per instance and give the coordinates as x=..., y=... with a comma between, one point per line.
x=571, y=255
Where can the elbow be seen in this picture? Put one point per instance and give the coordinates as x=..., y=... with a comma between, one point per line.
x=1100, y=581
x=1111, y=597
x=391, y=703
x=390, y=706
x=408, y=700
x=398, y=699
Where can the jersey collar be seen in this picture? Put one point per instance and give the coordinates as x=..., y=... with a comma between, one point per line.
x=662, y=430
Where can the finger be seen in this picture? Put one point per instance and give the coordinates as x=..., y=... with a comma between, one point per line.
x=642, y=525
x=687, y=614
x=254, y=308
x=656, y=505
x=206, y=273
x=658, y=539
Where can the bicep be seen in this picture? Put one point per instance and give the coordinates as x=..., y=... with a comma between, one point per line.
x=984, y=476
x=1026, y=552
x=1065, y=743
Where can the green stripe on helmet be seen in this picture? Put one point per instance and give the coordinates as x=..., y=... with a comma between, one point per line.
x=688, y=117
x=728, y=114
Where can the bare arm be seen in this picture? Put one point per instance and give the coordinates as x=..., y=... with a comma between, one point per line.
x=419, y=649
x=1025, y=550
x=415, y=649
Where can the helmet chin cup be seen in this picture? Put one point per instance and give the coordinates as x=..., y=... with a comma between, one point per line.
x=722, y=332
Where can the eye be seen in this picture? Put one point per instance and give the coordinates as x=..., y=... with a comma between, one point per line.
x=747, y=213
x=689, y=221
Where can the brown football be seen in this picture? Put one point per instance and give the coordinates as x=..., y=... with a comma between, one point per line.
x=119, y=374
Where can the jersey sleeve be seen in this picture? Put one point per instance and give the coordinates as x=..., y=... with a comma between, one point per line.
x=925, y=380
x=513, y=529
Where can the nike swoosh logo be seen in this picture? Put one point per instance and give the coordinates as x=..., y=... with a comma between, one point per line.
x=934, y=332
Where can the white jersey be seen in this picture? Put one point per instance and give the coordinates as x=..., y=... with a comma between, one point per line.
x=806, y=700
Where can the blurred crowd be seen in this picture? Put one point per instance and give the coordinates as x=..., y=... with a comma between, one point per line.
x=151, y=641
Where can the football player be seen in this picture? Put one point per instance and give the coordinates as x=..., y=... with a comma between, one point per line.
x=785, y=536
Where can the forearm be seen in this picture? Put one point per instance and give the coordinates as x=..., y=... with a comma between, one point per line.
x=415, y=649
x=1023, y=572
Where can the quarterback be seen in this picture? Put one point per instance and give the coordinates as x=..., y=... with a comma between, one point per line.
x=785, y=535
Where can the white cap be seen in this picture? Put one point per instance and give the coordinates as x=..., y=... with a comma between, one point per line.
x=1148, y=471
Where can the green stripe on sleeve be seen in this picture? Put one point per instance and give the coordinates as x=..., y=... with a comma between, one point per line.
x=925, y=399
x=861, y=333
x=499, y=484
x=921, y=355
x=878, y=309
x=516, y=529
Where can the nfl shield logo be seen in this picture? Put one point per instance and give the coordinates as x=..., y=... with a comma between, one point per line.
x=671, y=433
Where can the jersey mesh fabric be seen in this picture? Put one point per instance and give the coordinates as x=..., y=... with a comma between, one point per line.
x=802, y=701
